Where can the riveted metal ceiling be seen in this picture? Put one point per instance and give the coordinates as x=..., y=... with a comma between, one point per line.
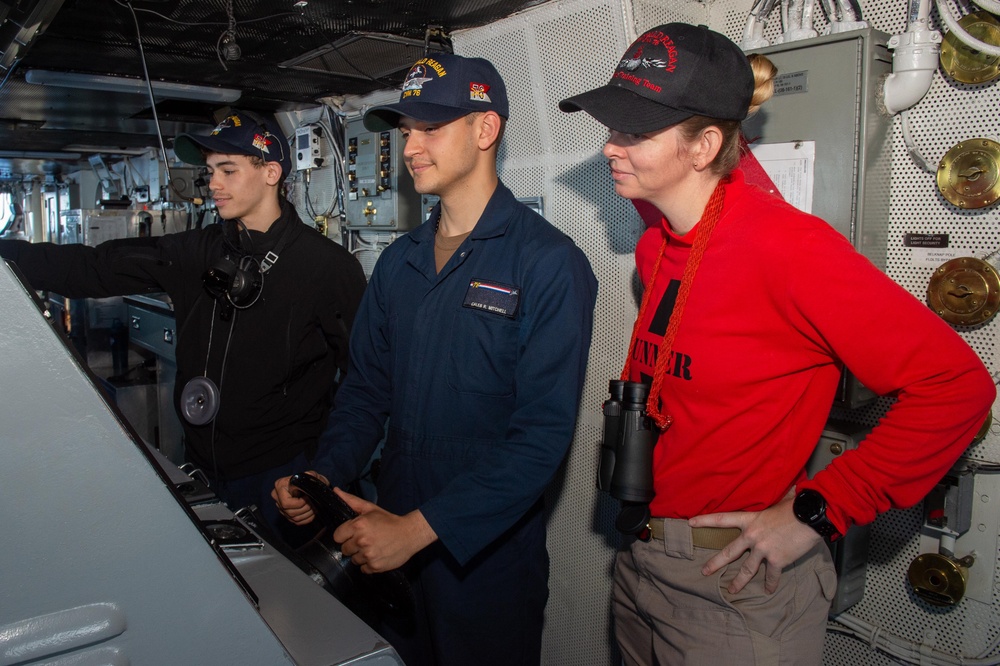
x=290, y=54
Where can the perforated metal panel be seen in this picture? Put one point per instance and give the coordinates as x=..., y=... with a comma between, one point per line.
x=950, y=113
x=317, y=197
x=562, y=48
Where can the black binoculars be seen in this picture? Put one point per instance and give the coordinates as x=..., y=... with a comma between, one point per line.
x=626, y=469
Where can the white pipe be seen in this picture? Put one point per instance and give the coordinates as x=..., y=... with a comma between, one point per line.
x=799, y=21
x=914, y=61
x=964, y=36
x=793, y=20
x=846, y=26
x=903, y=649
x=753, y=34
x=947, y=544
x=807, y=15
x=847, y=10
x=843, y=16
x=911, y=145
x=753, y=31
x=913, y=66
x=805, y=29
x=833, y=13
x=992, y=6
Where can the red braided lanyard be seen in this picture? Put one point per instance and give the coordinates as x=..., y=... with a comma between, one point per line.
x=709, y=218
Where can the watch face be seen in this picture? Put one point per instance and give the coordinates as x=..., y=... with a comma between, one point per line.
x=809, y=507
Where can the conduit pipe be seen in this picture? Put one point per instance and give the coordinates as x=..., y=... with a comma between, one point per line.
x=905, y=650
x=992, y=6
x=796, y=16
x=753, y=34
x=753, y=31
x=797, y=20
x=848, y=11
x=962, y=35
x=914, y=61
x=848, y=18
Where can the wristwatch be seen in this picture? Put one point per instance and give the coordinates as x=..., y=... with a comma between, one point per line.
x=810, y=508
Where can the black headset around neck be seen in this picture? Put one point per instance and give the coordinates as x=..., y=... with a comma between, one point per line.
x=234, y=284
x=236, y=279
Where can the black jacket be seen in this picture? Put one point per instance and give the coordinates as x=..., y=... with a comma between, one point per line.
x=283, y=354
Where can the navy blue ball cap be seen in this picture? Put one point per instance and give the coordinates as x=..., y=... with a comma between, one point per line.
x=669, y=74
x=239, y=133
x=442, y=87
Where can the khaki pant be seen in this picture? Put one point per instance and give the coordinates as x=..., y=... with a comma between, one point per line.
x=668, y=613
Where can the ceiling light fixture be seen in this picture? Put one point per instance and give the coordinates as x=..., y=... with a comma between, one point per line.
x=38, y=155
x=107, y=150
x=124, y=84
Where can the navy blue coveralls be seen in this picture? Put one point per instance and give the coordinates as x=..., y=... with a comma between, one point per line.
x=482, y=402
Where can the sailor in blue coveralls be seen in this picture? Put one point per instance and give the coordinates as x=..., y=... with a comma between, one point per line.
x=472, y=340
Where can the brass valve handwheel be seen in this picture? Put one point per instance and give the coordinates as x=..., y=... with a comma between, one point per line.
x=938, y=580
x=964, y=64
x=964, y=291
x=969, y=173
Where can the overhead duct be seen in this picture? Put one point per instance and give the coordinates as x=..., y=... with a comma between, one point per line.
x=132, y=85
x=20, y=26
x=363, y=55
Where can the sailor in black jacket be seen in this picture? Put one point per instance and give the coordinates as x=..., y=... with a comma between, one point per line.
x=273, y=345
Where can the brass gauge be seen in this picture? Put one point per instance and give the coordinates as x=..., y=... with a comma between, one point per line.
x=937, y=579
x=969, y=173
x=965, y=64
x=964, y=291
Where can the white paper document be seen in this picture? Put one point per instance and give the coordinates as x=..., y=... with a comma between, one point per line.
x=792, y=167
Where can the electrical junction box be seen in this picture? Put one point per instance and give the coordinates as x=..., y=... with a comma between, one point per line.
x=182, y=184
x=379, y=190
x=308, y=148
x=826, y=93
x=826, y=107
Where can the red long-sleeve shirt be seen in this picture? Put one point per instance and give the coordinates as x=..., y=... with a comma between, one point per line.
x=780, y=301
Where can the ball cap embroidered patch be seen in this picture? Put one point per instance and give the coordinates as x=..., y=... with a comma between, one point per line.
x=440, y=88
x=670, y=73
x=239, y=133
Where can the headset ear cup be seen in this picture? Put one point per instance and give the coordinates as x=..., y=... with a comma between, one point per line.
x=245, y=287
x=232, y=283
x=218, y=279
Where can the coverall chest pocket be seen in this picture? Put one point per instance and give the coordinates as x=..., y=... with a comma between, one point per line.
x=483, y=353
